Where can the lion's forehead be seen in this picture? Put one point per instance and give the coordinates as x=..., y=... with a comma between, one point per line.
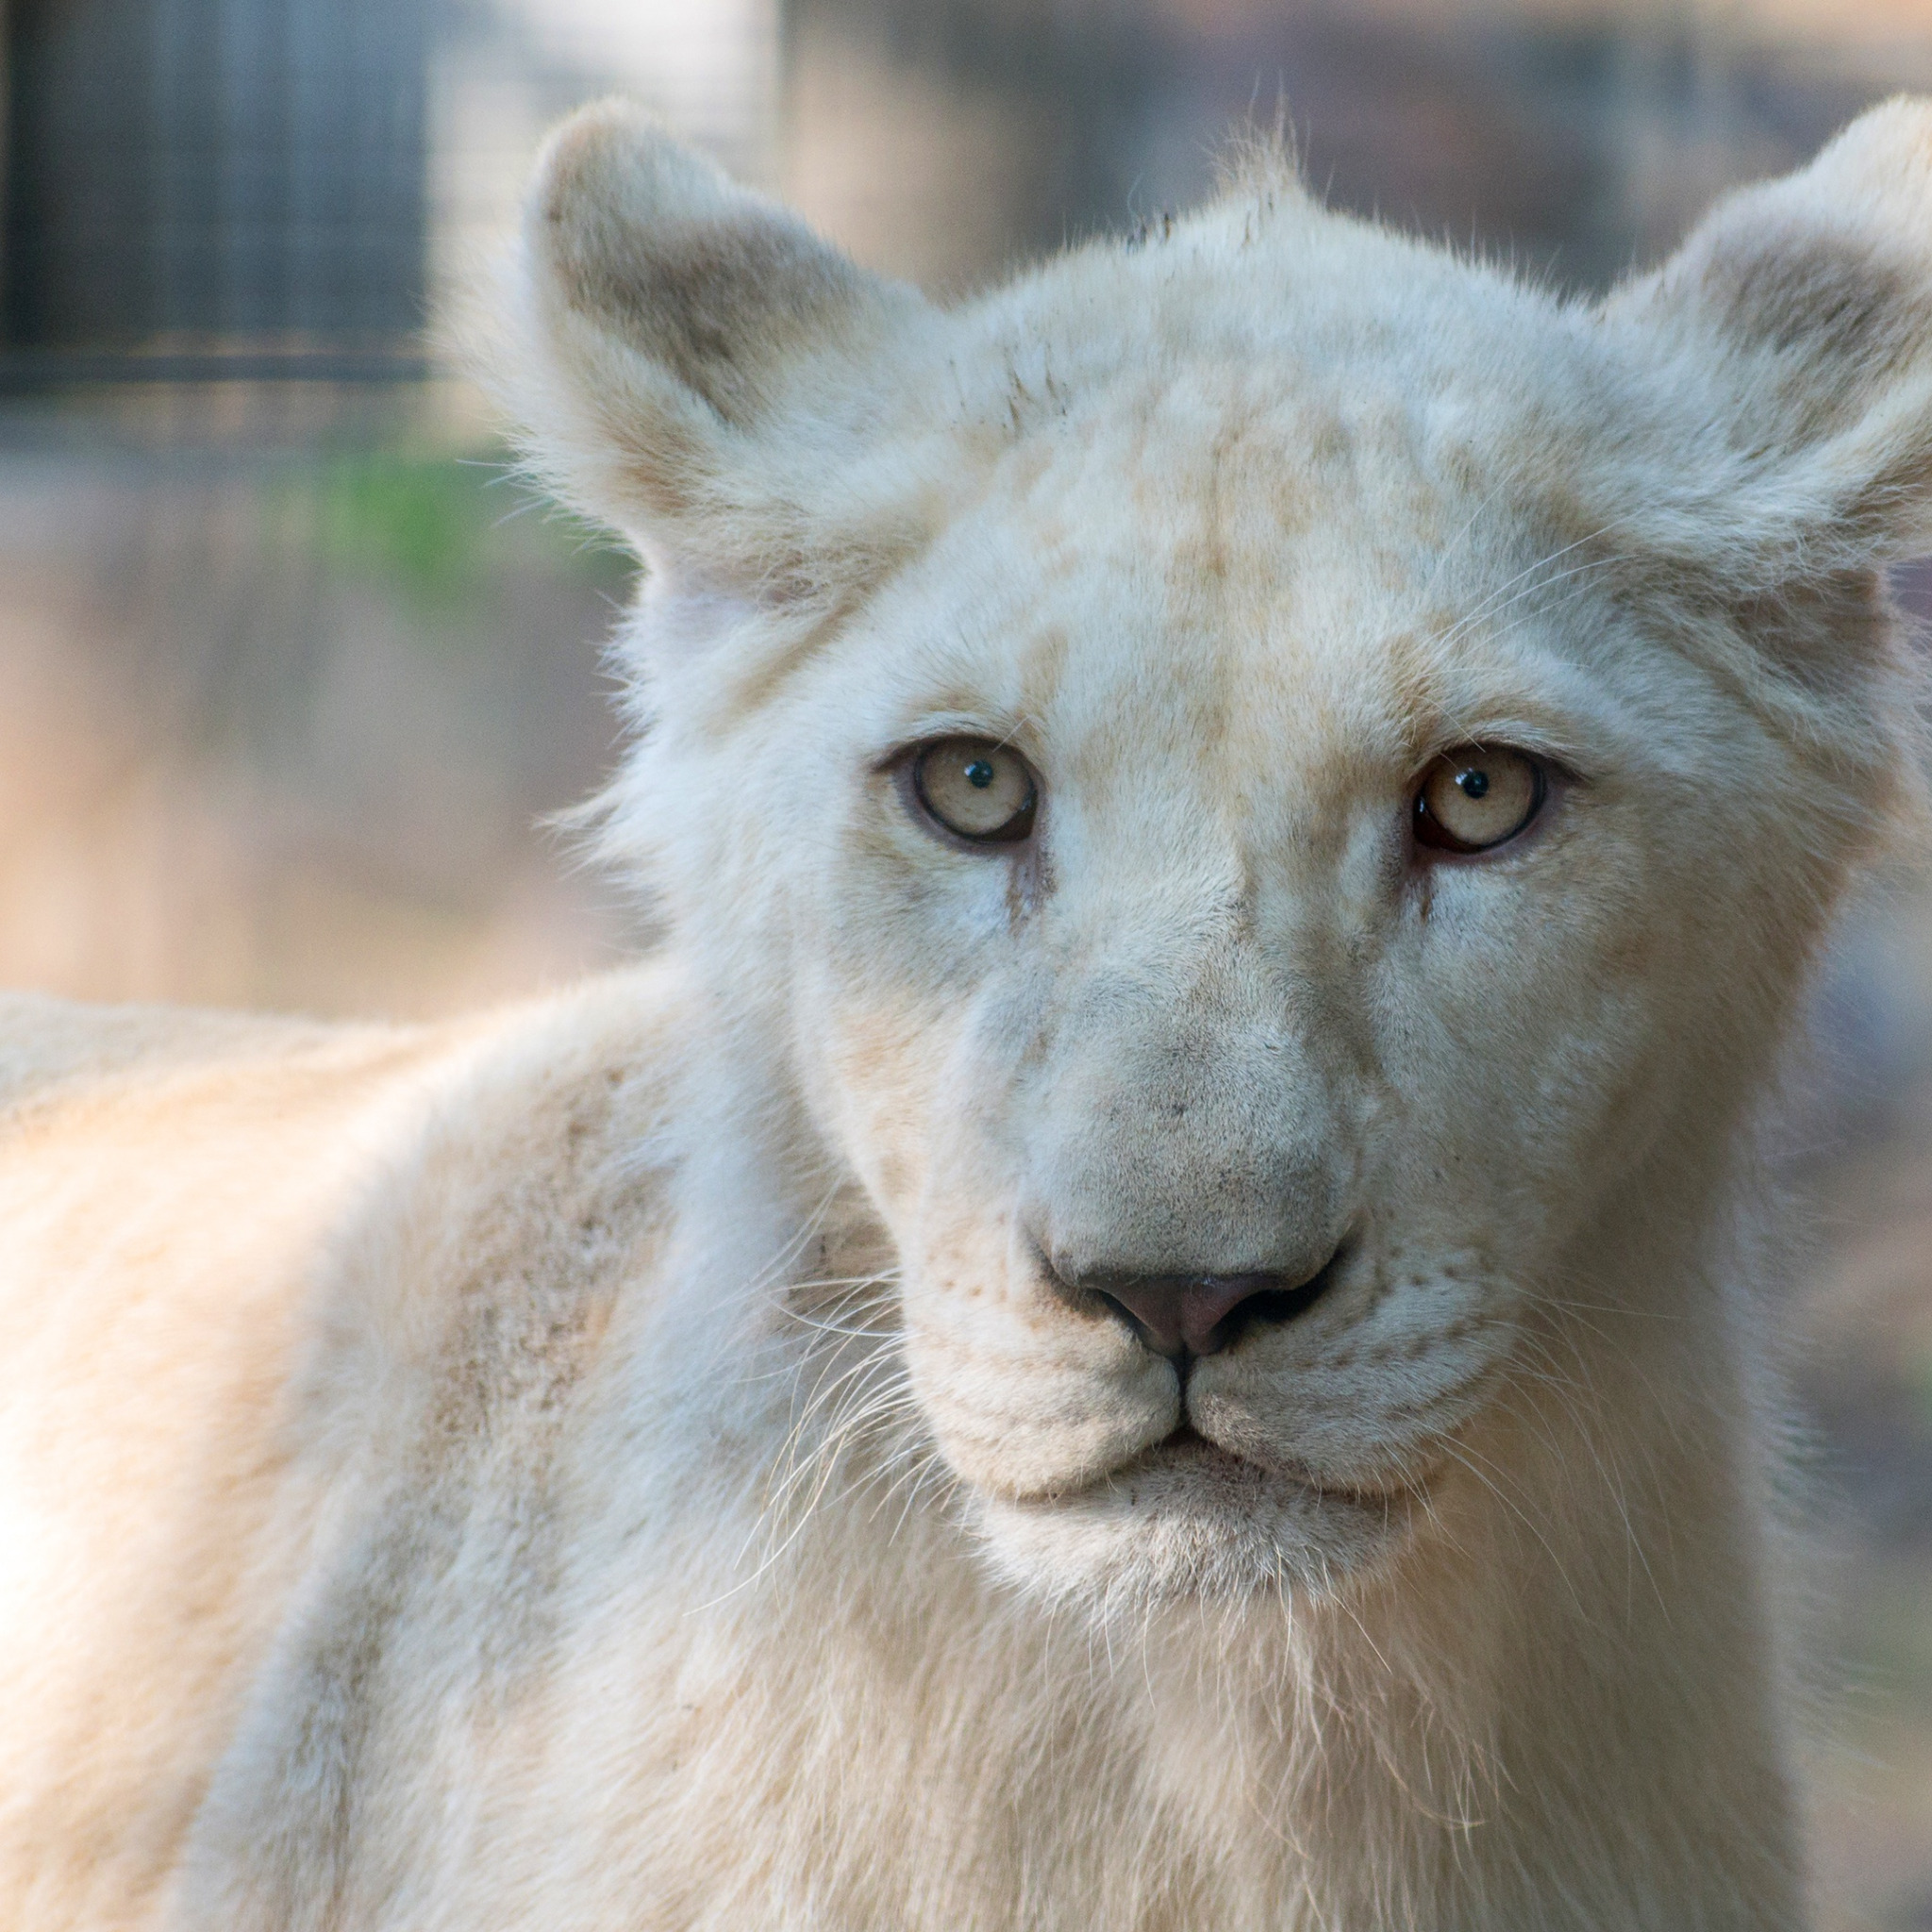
x=1212, y=465
x=1130, y=647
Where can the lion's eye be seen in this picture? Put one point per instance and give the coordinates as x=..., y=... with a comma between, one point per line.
x=1472, y=799
x=976, y=789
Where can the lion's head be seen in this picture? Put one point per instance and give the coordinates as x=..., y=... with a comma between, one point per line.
x=1263, y=791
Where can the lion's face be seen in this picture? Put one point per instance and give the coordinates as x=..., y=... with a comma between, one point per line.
x=1180, y=991
x=1220, y=787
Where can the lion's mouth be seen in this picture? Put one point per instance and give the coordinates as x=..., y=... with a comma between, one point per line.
x=1185, y=1441
x=1186, y=1454
x=1188, y=1516
x=1185, y=1449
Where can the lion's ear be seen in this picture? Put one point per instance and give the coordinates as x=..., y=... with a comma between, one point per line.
x=691, y=364
x=1793, y=333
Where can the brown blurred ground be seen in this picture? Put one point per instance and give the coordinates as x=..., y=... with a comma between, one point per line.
x=259, y=748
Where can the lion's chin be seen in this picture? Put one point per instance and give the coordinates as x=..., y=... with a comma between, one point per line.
x=1187, y=1519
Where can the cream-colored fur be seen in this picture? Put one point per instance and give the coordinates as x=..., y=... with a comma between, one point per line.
x=626, y=1461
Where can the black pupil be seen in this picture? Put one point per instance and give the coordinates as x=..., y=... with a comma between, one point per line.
x=1472, y=784
x=979, y=774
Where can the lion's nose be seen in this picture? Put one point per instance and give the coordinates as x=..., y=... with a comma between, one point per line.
x=1201, y=1314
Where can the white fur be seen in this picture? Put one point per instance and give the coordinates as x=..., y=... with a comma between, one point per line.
x=621, y=1463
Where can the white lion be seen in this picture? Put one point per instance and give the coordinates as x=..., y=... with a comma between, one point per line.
x=1139, y=1321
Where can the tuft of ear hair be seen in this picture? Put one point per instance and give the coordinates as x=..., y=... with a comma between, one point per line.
x=701, y=370
x=1794, y=331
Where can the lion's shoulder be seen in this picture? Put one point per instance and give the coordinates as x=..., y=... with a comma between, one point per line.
x=260, y=1276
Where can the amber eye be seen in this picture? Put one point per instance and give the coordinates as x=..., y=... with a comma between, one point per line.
x=1472, y=799
x=978, y=790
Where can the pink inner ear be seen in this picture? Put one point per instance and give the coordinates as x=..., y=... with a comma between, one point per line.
x=679, y=619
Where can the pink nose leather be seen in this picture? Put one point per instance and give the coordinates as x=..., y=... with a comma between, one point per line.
x=1187, y=1314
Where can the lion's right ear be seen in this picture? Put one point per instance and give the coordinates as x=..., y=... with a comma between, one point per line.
x=691, y=364
x=1791, y=337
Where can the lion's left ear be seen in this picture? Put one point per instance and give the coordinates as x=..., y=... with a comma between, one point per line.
x=1793, y=335
x=694, y=367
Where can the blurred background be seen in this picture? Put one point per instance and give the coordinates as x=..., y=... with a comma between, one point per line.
x=292, y=676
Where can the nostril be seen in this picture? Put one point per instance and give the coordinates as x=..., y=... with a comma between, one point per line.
x=1179, y=1315
x=1150, y=1317
x=1279, y=1301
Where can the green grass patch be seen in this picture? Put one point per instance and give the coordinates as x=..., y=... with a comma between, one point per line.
x=440, y=530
